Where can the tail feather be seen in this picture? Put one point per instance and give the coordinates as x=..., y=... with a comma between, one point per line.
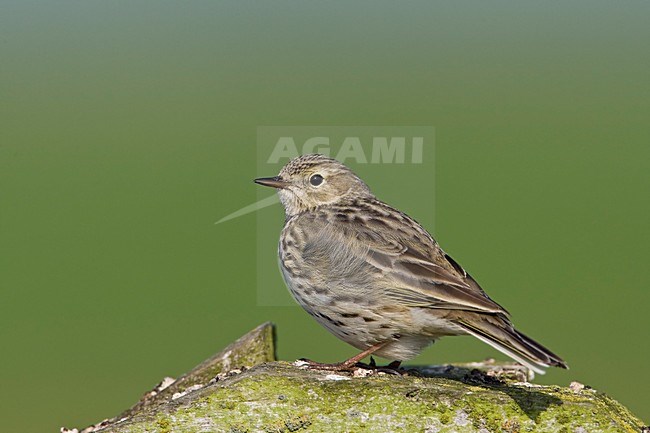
x=498, y=332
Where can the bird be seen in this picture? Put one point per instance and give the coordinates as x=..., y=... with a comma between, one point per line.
x=375, y=278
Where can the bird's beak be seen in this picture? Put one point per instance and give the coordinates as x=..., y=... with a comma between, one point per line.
x=274, y=182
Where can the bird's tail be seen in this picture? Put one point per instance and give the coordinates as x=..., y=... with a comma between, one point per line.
x=498, y=332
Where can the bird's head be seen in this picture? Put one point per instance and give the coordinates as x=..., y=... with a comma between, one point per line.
x=314, y=180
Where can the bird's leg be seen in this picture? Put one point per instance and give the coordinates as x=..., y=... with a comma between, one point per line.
x=348, y=364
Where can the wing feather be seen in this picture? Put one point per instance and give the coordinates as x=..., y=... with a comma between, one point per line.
x=414, y=270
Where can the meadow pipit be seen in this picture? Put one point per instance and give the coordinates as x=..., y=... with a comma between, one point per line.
x=374, y=277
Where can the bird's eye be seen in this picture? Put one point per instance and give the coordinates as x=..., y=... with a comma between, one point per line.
x=316, y=180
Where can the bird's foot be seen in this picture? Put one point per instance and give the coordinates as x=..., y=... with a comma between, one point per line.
x=351, y=364
x=392, y=368
x=347, y=366
x=337, y=366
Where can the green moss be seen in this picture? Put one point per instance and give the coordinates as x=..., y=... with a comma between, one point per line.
x=562, y=418
x=164, y=425
x=511, y=426
x=280, y=398
x=297, y=423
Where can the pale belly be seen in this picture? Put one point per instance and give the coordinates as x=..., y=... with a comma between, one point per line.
x=360, y=322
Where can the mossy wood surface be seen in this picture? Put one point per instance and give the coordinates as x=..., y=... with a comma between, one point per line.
x=221, y=396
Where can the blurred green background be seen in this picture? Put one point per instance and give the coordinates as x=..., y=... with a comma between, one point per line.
x=129, y=128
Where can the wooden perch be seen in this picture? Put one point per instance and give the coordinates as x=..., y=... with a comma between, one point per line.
x=243, y=389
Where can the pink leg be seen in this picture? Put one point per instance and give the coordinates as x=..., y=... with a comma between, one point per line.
x=347, y=364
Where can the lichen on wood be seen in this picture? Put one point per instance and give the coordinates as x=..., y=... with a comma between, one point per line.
x=242, y=389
